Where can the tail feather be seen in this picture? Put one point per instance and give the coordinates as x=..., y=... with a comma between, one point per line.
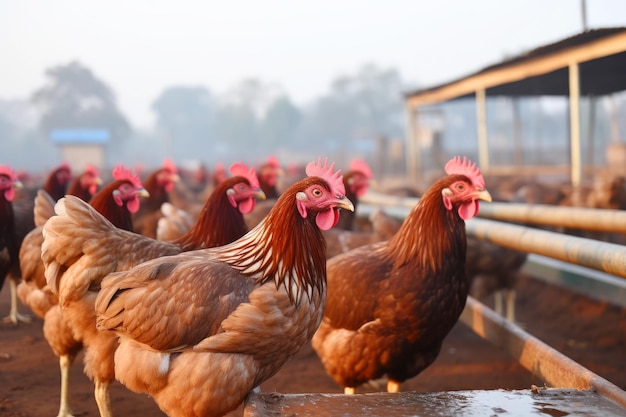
x=44, y=208
x=81, y=247
x=75, y=247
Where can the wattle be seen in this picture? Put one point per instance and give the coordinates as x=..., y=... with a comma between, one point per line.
x=468, y=210
x=133, y=205
x=9, y=194
x=247, y=205
x=327, y=218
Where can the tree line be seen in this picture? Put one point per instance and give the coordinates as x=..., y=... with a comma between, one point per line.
x=253, y=120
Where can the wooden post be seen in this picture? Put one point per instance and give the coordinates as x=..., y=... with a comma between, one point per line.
x=518, y=150
x=574, y=112
x=591, y=133
x=481, y=124
x=413, y=156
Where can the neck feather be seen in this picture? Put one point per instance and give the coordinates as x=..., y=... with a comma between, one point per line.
x=284, y=248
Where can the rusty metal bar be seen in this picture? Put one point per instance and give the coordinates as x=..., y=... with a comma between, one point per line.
x=599, y=220
x=553, y=367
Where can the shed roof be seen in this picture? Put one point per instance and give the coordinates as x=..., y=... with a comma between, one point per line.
x=600, y=53
x=80, y=136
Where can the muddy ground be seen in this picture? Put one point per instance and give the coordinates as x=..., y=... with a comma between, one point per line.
x=590, y=332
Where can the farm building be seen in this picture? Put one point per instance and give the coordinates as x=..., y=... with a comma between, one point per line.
x=81, y=146
x=579, y=70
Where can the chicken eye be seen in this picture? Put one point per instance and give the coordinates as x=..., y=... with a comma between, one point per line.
x=460, y=186
x=317, y=192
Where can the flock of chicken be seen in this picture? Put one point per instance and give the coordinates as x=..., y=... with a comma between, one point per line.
x=197, y=302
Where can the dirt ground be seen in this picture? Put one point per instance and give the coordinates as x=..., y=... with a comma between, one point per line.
x=591, y=333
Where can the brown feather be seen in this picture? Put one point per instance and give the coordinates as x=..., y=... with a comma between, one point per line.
x=219, y=223
x=390, y=304
x=202, y=328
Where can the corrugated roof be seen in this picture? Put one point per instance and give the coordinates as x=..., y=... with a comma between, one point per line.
x=599, y=76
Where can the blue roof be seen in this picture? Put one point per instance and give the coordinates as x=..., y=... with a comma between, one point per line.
x=94, y=136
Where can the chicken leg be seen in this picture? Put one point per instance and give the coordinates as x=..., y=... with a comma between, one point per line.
x=65, y=362
x=103, y=399
x=393, y=386
x=14, y=315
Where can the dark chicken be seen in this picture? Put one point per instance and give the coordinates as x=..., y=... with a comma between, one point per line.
x=268, y=177
x=55, y=186
x=269, y=172
x=200, y=330
x=343, y=237
x=31, y=289
x=81, y=247
x=391, y=304
x=159, y=184
x=9, y=241
x=356, y=181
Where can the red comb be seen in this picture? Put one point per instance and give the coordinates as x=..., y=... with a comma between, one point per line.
x=465, y=167
x=273, y=161
x=8, y=171
x=64, y=166
x=240, y=169
x=122, y=173
x=92, y=170
x=334, y=179
x=169, y=165
x=361, y=166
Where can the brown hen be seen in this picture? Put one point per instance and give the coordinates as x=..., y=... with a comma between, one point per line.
x=391, y=304
x=81, y=247
x=200, y=330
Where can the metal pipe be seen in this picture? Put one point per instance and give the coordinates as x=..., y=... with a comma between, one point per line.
x=599, y=220
x=551, y=366
x=602, y=256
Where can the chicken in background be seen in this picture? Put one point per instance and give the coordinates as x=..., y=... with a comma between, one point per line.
x=115, y=202
x=219, y=174
x=9, y=240
x=58, y=181
x=269, y=174
x=174, y=223
x=357, y=180
x=31, y=290
x=391, y=304
x=158, y=185
x=55, y=185
x=81, y=247
x=344, y=237
x=177, y=222
x=200, y=330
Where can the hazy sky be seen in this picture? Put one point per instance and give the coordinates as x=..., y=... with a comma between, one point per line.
x=140, y=47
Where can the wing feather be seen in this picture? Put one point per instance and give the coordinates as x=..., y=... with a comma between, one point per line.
x=175, y=301
x=81, y=247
